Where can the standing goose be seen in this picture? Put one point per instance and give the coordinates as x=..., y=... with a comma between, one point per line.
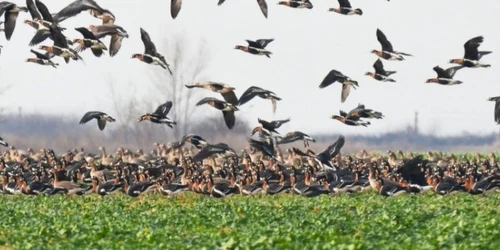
x=89, y=41
x=11, y=11
x=160, y=115
x=298, y=4
x=225, y=90
x=101, y=118
x=116, y=32
x=91, y=6
x=346, y=82
x=151, y=56
x=262, y=5
x=472, y=54
x=346, y=9
x=42, y=59
x=3, y=142
x=227, y=109
x=380, y=74
x=387, y=51
x=496, y=99
x=254, y=91
x=445, y=77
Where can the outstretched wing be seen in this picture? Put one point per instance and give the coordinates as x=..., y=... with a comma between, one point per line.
x=164, y=108
x=344, y=4
x=44, y=11
x=249, y=94
x=264, y=42
x=175, y=7
x=382, y=39
x=471, y=48
x=230, y=97
x=149, y=46
x=334, y=149
x=229, y=118
x=278, y=123
x=453, y=70
x=379, y=67
x=441, y=72
x=206, y=100
x=346, y=89
x=76, y=8
x=90, y=115
x=86, y=33
x=263, y=6
x=40, y=55
x=332, y=77
x=35, y=14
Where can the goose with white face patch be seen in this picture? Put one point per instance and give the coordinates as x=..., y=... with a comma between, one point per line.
x=387, y=52
x=445, y=77
x=380, y=73
x=346, y=9
x=472, y=54
x=304, y=4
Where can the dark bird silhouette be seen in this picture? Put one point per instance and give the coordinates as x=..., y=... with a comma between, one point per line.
x=160, y=115
x=225, y=90
x=346, y=9
x=101, y=118
x=211, y=150
x=445, y=77
x=89, y=41
x=227, y=109
x=324, y=157
x=42, y=59
x=91, y=6
x=151, y=55
x=3, y=142
x=387, y=52
x=10, y=12
x=380, y=73
x=296, y=136
x=496, y=99
x=254, y=91
x=472, y=54
x=334, y=76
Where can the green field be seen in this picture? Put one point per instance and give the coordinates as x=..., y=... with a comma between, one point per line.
x=367, y=221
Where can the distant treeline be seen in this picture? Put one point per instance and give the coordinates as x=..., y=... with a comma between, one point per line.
x=63, y=133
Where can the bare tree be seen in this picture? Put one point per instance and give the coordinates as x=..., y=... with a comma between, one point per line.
x=188, y=61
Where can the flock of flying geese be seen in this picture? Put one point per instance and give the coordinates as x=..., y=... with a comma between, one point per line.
x=216, y=169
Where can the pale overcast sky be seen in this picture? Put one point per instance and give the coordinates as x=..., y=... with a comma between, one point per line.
x=308, y=44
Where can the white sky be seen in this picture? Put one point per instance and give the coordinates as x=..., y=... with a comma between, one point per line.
x=308, y=44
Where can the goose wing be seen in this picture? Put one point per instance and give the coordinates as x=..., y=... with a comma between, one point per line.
x=330, y=78
x=149, y=46
x=175, y=7
x=471, y=48
x=86, y=33
x=164, y=108
x=382, y=39
x=90, y=115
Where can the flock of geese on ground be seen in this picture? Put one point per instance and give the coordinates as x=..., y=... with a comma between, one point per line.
x=216, y=169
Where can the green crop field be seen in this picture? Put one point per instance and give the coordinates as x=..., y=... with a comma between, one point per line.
x=365, y=221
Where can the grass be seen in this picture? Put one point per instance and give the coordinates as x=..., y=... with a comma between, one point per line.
x=366, y=221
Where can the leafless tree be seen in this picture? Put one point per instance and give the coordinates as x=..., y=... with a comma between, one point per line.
x=188, y=60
